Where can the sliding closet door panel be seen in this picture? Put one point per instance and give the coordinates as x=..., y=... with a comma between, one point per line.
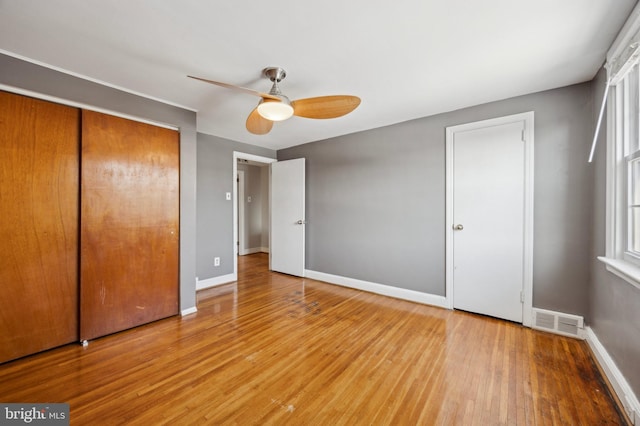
x=39, y=153
x=129, y=224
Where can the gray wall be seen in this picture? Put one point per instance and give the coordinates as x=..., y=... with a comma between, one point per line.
x=376, y=199
x=614, y=304
x=375, y=206
x=215, y=213
x=40, y=80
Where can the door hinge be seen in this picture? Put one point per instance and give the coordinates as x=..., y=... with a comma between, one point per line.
x=522, y=297
x=524, y=138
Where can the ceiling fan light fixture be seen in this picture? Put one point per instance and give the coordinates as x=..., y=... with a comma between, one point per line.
x=274, y=110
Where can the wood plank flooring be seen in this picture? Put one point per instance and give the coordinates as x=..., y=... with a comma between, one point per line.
x=276, y=349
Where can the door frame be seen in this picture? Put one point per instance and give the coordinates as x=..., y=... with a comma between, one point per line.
x=528, y=135
x=250, y=157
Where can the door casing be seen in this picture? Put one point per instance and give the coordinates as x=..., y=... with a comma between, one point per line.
x=250, y=157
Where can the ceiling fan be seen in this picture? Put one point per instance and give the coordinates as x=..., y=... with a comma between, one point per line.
x=274, y=106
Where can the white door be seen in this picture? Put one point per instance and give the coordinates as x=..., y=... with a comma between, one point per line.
x=287, y=217
x=489, y=211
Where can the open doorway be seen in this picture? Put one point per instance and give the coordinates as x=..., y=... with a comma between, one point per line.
x=253, y=207
x=251, y=194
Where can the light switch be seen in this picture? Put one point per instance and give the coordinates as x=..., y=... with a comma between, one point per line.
x=228, y=196
x=249, y=199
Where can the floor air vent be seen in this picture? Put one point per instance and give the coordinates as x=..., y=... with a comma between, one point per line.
x=556, y=322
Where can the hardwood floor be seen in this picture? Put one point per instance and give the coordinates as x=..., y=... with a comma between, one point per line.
x=276, y=349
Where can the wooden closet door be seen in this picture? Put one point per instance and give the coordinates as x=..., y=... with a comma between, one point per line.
x=39, y=158
x=129, y=224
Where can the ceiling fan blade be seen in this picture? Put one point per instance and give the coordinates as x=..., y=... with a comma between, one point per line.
x=325, y=106
x=234, y=87
x=257, y=124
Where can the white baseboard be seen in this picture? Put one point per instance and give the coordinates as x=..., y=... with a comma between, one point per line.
x=615, y=377
x=188, y=311
x=212, y=282
x=385, y=290
x=254, y=250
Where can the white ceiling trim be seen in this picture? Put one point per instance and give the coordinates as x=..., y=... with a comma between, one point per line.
x=94, y=80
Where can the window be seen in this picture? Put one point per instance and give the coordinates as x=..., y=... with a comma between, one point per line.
x=626, y=136
x=623, y=153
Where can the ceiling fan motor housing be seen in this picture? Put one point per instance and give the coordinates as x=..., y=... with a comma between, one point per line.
x=272, y=109
x=275, y=74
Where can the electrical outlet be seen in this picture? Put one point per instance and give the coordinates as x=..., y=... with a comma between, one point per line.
x=216, y=261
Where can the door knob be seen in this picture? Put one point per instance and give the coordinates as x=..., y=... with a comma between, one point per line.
x=458, y=227
x=300, y=222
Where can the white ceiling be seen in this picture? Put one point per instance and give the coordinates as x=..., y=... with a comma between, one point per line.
x=404, y=58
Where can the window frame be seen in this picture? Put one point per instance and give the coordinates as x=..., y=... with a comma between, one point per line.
x=622, y=57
